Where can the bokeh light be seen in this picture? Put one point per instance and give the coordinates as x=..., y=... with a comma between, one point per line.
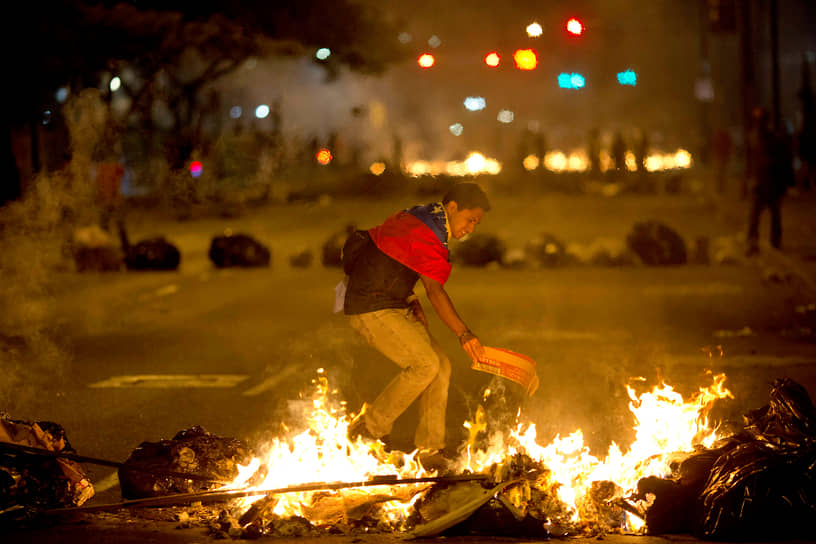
x=377, y=168
x=323, y=53
x=456, y=129
x=61, y=94
x=323, y=156
x=426, y=60
x=492, y=59
x=575, y=27
x=505, y=116
x=475, y=103
x=627, y=77
x=262, y=111
x=115, y=84
x=525, y=59
x=196, y=168
x=530, y=162
x=404, y=37
x=571, y=81
x=434, y=41
x=534, y=30
x=236, y=112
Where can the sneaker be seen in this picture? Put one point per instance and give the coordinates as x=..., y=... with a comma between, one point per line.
x=434, y=460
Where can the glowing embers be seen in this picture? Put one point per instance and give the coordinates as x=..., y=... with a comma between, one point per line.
x=525, y=59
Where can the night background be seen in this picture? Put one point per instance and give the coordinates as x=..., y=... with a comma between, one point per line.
x=179, y=178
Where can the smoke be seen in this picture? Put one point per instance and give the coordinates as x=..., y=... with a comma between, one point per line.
x=35, y=234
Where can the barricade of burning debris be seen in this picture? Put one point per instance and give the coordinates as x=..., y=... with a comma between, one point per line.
x=756, y=484
x=732, y=489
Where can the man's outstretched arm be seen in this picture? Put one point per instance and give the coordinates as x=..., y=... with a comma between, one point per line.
x=443, y=306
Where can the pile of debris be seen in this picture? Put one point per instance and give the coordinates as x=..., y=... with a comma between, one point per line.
x=757, y=484
x=34, y=482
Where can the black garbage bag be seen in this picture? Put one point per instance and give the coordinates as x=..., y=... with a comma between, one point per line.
x=480, y=249
x=191, y=451
x=765, y=487
x=656, y=244
x=238, y=250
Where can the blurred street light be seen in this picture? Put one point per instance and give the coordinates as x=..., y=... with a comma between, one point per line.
x=262, y=111
x=534, y=30
x=323, y=53
x=426, y=60
x=475, y=103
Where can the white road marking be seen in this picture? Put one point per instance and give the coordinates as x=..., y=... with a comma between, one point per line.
x=270, y=382
x=168, y=381
x=109, y=481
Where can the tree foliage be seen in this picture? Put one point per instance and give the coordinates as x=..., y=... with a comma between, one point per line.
x=176, y=47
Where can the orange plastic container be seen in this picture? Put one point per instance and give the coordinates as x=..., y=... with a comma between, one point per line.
x=511, y=365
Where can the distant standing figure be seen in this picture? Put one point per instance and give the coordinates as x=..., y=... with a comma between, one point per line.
x=770, y=175
x=618, y=152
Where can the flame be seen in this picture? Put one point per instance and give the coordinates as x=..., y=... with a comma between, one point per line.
x=665, y=425
x=323, y=453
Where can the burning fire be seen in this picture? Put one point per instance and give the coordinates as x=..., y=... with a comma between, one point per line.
x=666, y=425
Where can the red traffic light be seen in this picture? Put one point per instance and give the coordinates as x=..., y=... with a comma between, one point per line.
x=575, y=27
x=492, y=59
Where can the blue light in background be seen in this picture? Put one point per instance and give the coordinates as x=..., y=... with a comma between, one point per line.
x=571, y=81
x=628, y=77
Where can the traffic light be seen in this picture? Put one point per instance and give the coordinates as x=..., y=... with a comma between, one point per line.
x=571, y=81
x=492, y=59
x=627, y=77
x=426, y=60
x=525, y=59
x=575, y=27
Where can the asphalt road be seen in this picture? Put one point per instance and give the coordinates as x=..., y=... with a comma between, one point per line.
x=140, y=356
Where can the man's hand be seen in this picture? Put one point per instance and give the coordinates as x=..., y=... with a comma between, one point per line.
x=417, y=312
x=470, y=343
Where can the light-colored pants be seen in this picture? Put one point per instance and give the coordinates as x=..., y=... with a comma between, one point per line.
x=425, y=374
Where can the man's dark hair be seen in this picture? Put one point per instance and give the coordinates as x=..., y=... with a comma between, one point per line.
x=467, y=196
